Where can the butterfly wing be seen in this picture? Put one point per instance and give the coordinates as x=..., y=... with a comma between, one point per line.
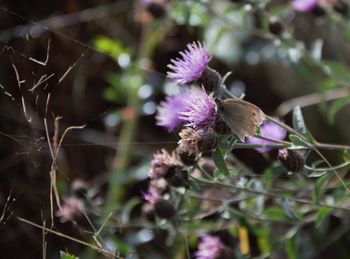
x=242, y=117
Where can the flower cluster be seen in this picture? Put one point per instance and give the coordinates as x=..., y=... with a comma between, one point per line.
x=203, y=121
x=193, y=107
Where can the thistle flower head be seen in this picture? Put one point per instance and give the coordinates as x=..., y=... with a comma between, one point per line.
x=197, y=141
x=168, y=115
x=191, y=65
x=152, y=195
x=268, y=130
x=209, y=247
x=200, y=109
x=304, y=5
x=160, y=164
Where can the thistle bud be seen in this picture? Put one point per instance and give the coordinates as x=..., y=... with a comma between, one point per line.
x=210, y=79
x=292, y=160
x=197, y=141
x=276, y=26
x=177, y=177
x=162, y=161
x=164, y=209
x=185, y=156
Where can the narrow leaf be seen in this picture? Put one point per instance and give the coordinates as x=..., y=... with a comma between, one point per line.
x=220, y=162
x=321, y=215
x=320, y=186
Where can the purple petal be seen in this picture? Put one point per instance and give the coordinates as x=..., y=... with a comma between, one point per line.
x=304, y=5
x=269, y=130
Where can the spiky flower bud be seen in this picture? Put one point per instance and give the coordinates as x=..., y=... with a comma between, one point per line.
x=275, y=25
x=184, y=155
x=164, y=209
x=292, y=160
x=197, y=141
x=177, y=177
x=210, y=79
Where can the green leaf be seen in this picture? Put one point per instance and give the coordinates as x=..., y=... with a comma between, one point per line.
x=298, y=120
x=321, y=215
x=297, y=141
x=64, y=255
x=288, y=210
x=319, y=187
x=220, y=162
x=337, y=69
x=291, y=249
x=111, y=47
x=299, y=124
x=275, y=213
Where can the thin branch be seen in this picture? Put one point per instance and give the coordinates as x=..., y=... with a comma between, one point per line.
x=269, y=194
x=311, y=99
x=103, y=251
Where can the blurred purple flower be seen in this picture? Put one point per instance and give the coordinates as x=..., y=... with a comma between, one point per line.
x=160, y=164
x=200, y=109
x=269, y=130
x=304, y=5
x=209, y=247
x=168, y=115
x=72, y=207
x=191, y=65
x=152, y=195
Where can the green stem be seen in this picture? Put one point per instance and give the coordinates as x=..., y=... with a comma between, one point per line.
x=269, y=194
x=327, y=168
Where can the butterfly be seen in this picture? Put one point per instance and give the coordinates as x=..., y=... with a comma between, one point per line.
x=241, y=117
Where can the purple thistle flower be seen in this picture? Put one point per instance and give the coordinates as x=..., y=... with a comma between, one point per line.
x=304, y=5
x=200, y=109
x=168, y=115
x=209, y=247
x=152, y=195
x=269, y=130
x=191, y=65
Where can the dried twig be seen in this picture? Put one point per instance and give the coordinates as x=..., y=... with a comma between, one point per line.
x=103, y=251
x=47, y=55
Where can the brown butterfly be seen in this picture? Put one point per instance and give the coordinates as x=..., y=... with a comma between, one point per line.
x=242, y=117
